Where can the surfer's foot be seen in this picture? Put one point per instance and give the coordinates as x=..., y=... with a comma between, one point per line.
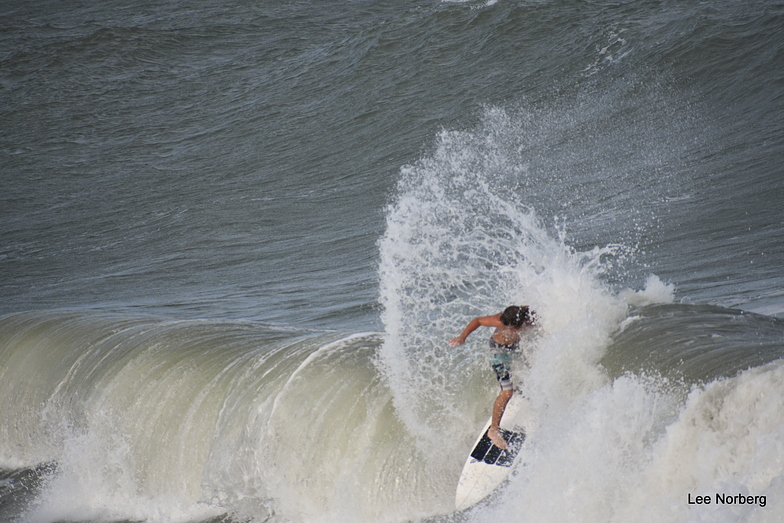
x=495, y=436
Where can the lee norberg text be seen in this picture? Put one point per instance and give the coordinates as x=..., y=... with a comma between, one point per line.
x=728, y=499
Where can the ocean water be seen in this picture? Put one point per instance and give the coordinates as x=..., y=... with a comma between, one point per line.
x=236, y=236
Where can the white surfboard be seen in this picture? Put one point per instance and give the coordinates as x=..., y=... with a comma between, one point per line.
x=488, y=466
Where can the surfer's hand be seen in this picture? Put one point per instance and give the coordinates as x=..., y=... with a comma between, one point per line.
x=456, y=341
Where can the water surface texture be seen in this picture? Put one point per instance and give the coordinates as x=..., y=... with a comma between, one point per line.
x=236, y=236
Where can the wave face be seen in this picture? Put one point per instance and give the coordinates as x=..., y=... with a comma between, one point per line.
x=144, y=419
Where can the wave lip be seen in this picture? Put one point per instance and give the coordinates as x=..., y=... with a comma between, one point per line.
x=695, y=343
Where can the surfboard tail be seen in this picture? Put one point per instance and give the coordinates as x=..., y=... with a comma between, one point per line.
x=487, y=466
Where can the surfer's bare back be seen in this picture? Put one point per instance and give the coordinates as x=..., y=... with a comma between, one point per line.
x=509, y=326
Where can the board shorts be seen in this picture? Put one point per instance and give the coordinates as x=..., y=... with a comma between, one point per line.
x=502, y=363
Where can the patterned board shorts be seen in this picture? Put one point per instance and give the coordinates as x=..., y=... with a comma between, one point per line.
x=502, y=364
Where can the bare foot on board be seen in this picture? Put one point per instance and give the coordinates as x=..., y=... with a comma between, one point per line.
x=497, y=439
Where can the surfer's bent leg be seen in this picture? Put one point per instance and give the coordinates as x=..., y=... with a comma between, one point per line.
x=499, y=406
x=501, y=363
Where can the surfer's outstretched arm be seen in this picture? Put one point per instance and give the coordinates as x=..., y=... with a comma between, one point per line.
x=482, y=321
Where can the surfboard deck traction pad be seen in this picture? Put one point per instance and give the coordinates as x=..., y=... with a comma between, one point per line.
x=492, y=455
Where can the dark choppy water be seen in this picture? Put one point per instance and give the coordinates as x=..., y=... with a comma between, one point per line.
x=231, y=230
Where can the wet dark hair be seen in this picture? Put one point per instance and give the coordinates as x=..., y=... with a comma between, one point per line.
x=515, y=316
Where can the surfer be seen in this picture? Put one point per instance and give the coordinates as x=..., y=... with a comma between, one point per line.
x=509, y=326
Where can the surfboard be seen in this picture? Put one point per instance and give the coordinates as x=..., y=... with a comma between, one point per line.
x=487, y=466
